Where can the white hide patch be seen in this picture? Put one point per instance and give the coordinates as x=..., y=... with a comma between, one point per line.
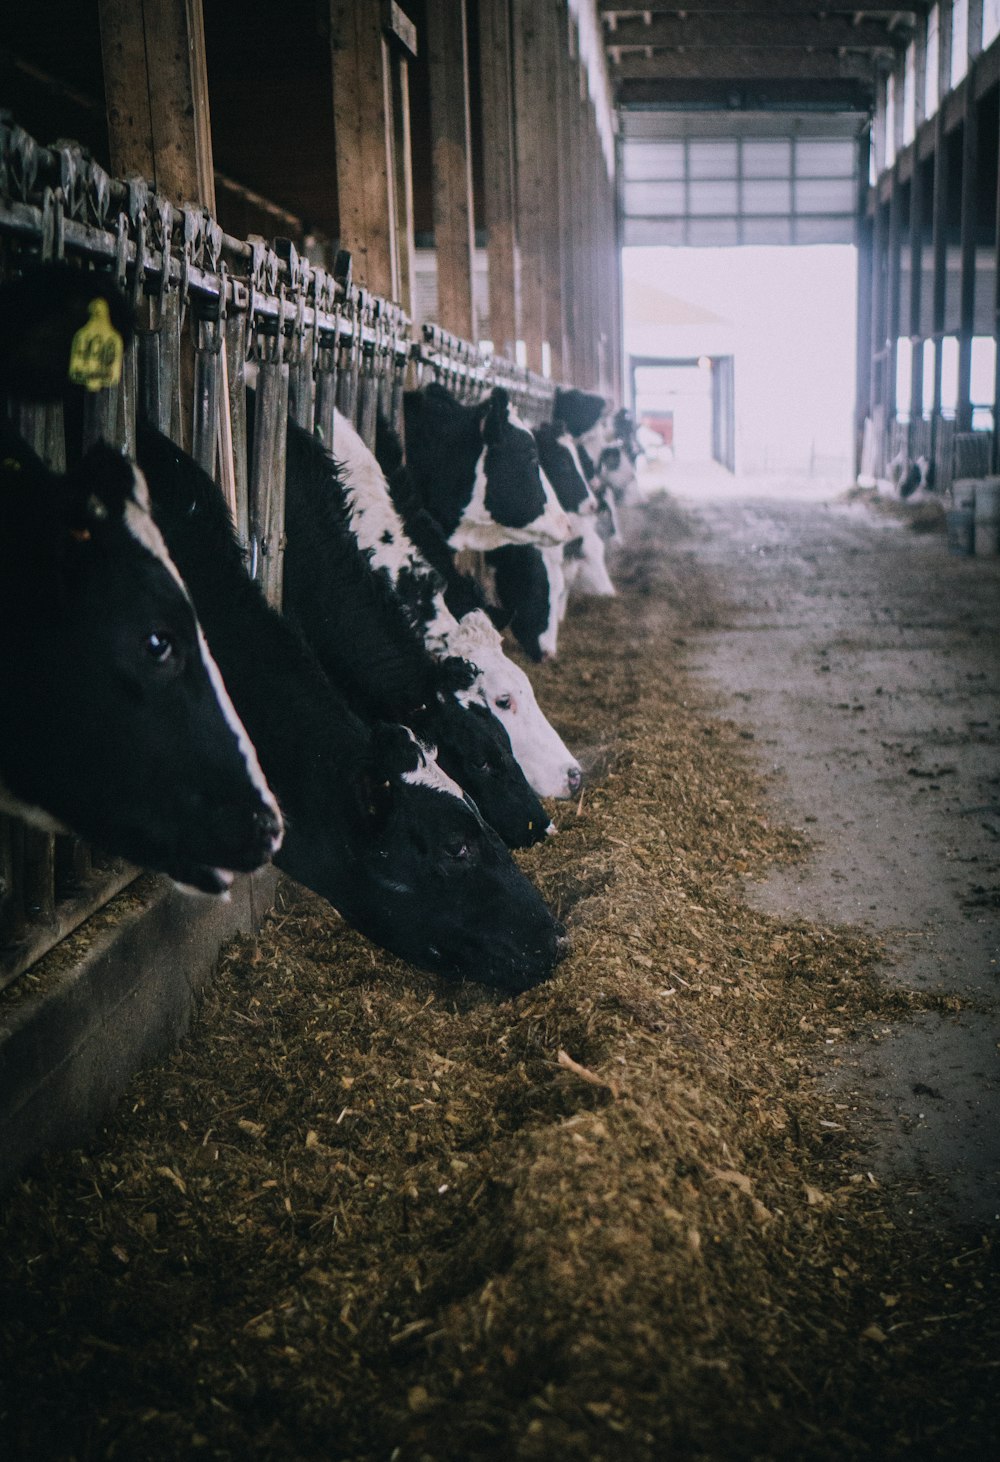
x=373, y=517
x=139, y=523
x=480, y=532
x=552, y=558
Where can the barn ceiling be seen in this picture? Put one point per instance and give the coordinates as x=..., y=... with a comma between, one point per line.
x=749, y=53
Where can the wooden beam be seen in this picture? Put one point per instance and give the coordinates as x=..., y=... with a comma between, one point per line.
x=916, y=287
x=824, y=33
x=454, y=239
x=156, y=86
x=735, y=63
x=613, y=11
x=498, y=146
x=362, y=131
x=398, y=79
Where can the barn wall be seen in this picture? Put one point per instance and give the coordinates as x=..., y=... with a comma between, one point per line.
x=929, y=240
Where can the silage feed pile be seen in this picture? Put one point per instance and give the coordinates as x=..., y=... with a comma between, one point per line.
x=361, y=1214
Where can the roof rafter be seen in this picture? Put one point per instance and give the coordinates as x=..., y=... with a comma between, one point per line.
x=739, y=64
x=784, y=31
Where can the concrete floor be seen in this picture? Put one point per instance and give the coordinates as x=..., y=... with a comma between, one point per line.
x=865, y=661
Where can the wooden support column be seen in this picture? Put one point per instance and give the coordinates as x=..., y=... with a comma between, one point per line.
x=156, y=86
x=402, y=175
x=893, y=272
x=878, y=315
x=574, y=366
x=916, y=286
x=498, y=146
x=967, y=245
x=533, y=189
x=939, y=246
x=863, y=378
x=550, y=162
x=996, y=324
x=362, y=120
x=454, y=238
x=564, y=143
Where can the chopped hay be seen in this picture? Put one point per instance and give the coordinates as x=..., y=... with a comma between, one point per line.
x=361, y=1214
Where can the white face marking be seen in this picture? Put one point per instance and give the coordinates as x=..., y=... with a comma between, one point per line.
x=588, y=574
x=427, y=773
x=140, y=524
x=504, y=688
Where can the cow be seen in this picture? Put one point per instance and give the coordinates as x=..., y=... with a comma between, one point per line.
x=114, y=721
x=373, y=824
x=583, y=566
x=609, y=467
x=476, y=469
x=404, y=540
x=347, y=608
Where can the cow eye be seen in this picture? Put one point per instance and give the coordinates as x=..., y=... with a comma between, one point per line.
x=159, y=646
x=504, y=702
x=457, y=849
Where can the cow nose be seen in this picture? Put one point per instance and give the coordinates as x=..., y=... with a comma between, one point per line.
x=574, y=780
x=562, y=943
x=268, y=824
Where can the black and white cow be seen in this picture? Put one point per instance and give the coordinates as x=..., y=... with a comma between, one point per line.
x=350, y=614
x=609, y=468
x=406, y=542
x=476, y=469
x=114, y=722
x=583, y=566
x=373, y=824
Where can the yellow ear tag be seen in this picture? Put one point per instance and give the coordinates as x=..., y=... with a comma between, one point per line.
x=95, y=357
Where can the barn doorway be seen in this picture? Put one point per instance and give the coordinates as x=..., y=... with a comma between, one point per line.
x=689, y=402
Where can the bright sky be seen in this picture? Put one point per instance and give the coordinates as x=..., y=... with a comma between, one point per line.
x=789, y=320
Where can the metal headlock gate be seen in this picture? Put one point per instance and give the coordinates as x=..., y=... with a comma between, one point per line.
x=208, y=307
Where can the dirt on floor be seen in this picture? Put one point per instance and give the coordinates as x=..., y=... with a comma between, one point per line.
x=362, y=1214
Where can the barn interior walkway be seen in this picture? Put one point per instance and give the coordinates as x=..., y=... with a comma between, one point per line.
x=864, y=660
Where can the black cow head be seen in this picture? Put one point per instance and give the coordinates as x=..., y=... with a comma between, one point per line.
x=561, y=467
x=423, y=876
x=579, y=411
x=114, y=722
x=474, y=750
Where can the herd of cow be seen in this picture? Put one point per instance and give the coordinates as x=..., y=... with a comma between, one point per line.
x=373, y=739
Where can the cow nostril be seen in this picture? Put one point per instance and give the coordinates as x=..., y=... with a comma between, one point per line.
x=562, y=945
x=574, y=780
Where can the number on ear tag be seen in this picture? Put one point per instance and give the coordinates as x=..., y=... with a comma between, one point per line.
x=95, y=357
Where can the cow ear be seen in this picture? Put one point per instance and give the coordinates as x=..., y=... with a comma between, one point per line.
x=97, y=490
x=456, y=673
x=496, y=416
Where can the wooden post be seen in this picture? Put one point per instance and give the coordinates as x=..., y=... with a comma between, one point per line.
x=939, y=245
x=454, y=238
x=362, y=128
x=864, y=240
x=550, y=164
x=916, y=286
x=533, y=195
x=894, y=250
x=967, y=251
x=403, y=175
x=156, y=85
x=498, y=146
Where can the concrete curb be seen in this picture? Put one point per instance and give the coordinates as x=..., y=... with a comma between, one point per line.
x=70, y=1042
